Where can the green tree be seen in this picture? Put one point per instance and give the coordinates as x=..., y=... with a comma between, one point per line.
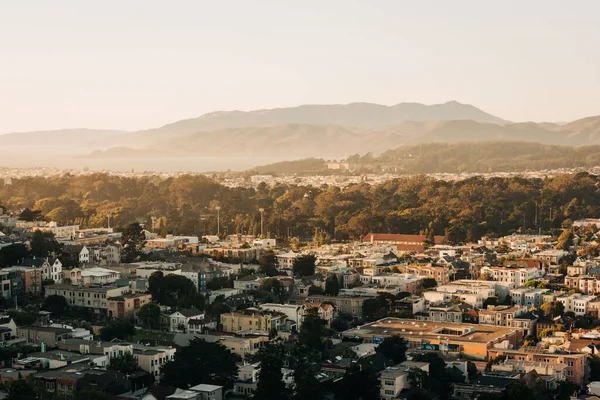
x=270, y=379
x=565, y=240
x=312, y=330
x=133, y=240
x=429, y=283
x=43, y=244
x=518, y=390
x=29, y=215
x=21, y=390
x=117, y=330
x=172, y=290
x=359, y=384
x=306, y=384
x=125, y=363
x=201, y=362
x=553, y=308
x=394, y=348
x=304, y=265
x=332, y=285
x=13, y=254
x=149, y=314
x=268, y=263
x=56, y=304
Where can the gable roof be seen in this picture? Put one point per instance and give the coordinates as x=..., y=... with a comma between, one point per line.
x=190, y=312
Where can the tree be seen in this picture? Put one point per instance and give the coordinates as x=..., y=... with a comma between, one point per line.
x=29, y=215
x=117, y=330
x=21, y=390
x=268, y=263
x=132, y=239
x=553, y=309
x=312, y=330
x=304, y=265
x=332, y=285
x=149, y=314
x=315, y=290
x=359, y=384
x=565, y=240
x=172, y=290
x=43, y=244
x=270, y=379
x=271, y=285
x=125, y=363
x=201, y=362
x=490, y=301
x=429, y=283
x=394, y=348
x=518, y=390
x=13, y=254
x=565, y=389
x=306, y=384
x=56, y=304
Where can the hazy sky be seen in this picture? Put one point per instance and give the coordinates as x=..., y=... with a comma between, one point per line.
x=134, y=64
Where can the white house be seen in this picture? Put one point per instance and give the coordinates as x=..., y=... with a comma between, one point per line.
x=179, y=320
x=52, y=269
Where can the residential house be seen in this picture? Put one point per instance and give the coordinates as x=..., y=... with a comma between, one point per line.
x=208, y=392
x=98, y=276
x=77, y=253
x=126, y=306
x=29, y=280
x=249, y=282
x=394, y=380
x=252, y=319
x=178, y=321
x=93, y=298
x=43, y=334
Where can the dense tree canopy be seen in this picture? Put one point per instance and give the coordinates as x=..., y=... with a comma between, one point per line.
x=463, y=209
x=201, y=362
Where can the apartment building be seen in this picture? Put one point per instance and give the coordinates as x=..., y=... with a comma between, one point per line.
x=126, y=306
x=152, y=358
x=514, y=276
x=252, y=319
x=347, y=305
x=30, y=279
x=576, y=303
x=575, y=363
x=529, y=297
x=441, y=273
x=394, y=379
x=500, y=315
x=94, y=298
x=97, y=276
x=43, y=334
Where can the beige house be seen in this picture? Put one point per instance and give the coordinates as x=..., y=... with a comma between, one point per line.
x=252, y=320
x=395, y=379
x=127, y=305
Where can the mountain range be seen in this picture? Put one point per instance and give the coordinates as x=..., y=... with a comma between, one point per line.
x=306, y=131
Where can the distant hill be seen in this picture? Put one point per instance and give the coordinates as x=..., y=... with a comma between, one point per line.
x=60, y=137
x=479, y=157
x=355, y=115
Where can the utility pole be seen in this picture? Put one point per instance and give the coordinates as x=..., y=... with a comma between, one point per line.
x=218, y=208
x=108, y=217
x=262, y=211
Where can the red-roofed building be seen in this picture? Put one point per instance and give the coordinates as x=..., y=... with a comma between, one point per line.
x=412, y=243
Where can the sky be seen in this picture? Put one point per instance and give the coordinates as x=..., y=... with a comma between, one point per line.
x=139, y=64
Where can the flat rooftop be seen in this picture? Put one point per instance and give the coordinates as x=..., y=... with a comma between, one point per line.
x=409, y=328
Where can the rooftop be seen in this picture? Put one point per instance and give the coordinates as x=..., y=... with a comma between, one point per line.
x=430, y=330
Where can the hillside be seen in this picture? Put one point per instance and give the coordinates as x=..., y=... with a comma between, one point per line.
x=355, y=115
x=479, y=157
x=60, y=137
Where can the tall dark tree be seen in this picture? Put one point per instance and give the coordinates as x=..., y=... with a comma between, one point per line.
x=149, y=315
x=56, y=304
x=132, y=239
x=306, y=384
x=332, y=285
x=43, y=244
x=125, y=363
x=394, y=348
x=117, y=330
x=304, y=265
x=13, y=254
x=172, y=290
x=270, y=384
x=29, y=215
x=201, y=362
x=268, y=263
x=359, y=384
x=21, y=390
x=312, y=331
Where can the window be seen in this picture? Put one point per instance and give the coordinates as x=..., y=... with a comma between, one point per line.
x=388, y=383
x=389, y=392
